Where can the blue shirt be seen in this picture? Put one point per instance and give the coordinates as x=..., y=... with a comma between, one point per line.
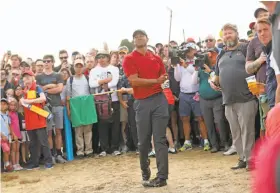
x=5, y=122
x=123, y=82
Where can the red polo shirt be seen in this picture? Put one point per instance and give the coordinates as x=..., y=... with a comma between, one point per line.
x=148, y=66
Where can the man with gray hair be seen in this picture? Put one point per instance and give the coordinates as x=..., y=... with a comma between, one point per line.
x=240, y=104
x=210, y=42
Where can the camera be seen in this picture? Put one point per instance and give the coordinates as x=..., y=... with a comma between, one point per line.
x=175, y=53
x=200, y=60
x=203, y=58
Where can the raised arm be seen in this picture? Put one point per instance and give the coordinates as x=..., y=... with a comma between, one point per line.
x=177, y=73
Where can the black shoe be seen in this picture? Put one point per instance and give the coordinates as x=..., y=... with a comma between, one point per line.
x=214, y=150
x=241, y=164
x=147, y=173
x=157, y=182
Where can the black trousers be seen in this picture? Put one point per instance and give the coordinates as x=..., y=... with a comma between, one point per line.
x=107, y=129
x=132, y=123
x=39, y=139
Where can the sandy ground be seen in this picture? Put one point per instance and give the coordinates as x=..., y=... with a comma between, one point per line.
x=190, y=172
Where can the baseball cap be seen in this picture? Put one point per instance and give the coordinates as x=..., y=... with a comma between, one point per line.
x=190, y=40
x=24, y=64
x=230, y=26
x=123, y=49
x=75, y=53
x=191, y=45
x=139, y=31
x=79, y=61
x=102, y=52
x=159, y=44
x=249, y=33
x=4, y=100
x=252, y=25
x=28, y=72
x=258, y=11
x=151, y=48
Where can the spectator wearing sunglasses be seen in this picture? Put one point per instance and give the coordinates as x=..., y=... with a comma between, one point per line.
x=63, y=56
x=102, y=78
x=210, y=42
x=52, y=84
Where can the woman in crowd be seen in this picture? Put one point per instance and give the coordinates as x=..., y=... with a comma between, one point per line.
x=16, y=124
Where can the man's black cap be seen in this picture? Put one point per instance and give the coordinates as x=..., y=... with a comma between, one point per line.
x=258, y=11
x=139, y=31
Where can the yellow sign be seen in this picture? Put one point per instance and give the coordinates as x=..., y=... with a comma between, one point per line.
x=31, y=94
x=221, y=34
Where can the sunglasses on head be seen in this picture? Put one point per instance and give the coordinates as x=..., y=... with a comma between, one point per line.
x=209, y=40
x=101, y=56
x=47, y=61
x=63, y=58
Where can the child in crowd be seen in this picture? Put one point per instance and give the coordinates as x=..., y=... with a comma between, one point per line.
x=5, y=133
x=10, y=93
x=16, y=124
x=24, y=135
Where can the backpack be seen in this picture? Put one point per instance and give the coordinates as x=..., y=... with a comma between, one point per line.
x=103, y=104
x=104, y=107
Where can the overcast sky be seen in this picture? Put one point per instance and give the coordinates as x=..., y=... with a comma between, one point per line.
x=33, y=28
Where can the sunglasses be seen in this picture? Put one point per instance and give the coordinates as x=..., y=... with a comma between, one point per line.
x=63, y=58
x=210, y=40
x=47, y=61
x=101, y=57
x=15, y=74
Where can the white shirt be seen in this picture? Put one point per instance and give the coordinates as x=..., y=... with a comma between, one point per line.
x=274, y=65
x=184, y=76
x=101, y=73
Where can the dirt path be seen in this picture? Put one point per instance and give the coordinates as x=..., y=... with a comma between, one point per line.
x=190, y=172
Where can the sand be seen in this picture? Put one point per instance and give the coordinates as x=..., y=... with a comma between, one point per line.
x=190, y=172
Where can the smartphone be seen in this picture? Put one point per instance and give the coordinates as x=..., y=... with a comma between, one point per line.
x=9, y=52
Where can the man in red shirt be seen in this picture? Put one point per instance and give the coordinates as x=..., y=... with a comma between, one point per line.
x=35, y=124
x=146, y=73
